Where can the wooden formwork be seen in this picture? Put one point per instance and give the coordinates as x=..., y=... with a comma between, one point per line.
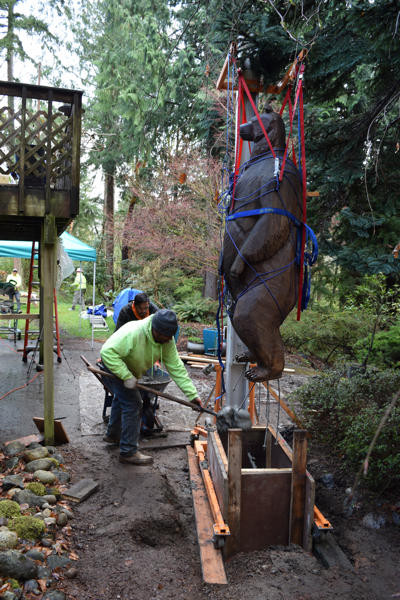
x=264, y=491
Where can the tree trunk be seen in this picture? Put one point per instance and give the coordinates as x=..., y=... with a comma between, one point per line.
x=210, y=285
x=109, y=227
x=126, y=234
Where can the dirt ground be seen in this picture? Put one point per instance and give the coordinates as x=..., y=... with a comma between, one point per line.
x=136, y=536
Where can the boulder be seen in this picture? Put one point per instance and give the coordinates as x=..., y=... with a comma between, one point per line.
x=16, y=565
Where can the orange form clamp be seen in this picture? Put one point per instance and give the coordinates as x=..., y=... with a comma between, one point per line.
x=221, y=529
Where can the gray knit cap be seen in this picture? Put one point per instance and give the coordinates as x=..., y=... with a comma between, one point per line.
x=165, y=322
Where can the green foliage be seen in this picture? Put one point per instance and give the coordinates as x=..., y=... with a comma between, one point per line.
x=327, y=334
x=196, y=309
x=189, y=287
x=54, y=491
x=28, y=528
x=342, y=413
x=385, y=351
x=9, y=508
x=37, y=488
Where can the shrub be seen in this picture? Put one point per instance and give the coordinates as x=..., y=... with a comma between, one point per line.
x=37, y=488
x=196, y=309
x=343, y=413
x=329, y=335
x=9, y=508
x=385, y=350
x=28, y=528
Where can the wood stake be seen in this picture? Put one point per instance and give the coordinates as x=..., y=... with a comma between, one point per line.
x=299, y=467
x=232, y=543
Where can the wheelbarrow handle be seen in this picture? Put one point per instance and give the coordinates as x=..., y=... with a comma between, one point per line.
x=140, y=386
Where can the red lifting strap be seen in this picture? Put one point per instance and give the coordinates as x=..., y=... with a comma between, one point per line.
x=304, y=178
x=242, y=79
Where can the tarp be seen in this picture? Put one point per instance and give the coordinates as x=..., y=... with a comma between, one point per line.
x=75, y=249
x=123, y=298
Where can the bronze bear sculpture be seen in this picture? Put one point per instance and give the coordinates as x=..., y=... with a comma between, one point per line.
x=260, y=252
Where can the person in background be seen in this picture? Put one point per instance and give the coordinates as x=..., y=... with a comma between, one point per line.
x=79, y=285
x=138, y=308
x=127, y=354
x=15, y=279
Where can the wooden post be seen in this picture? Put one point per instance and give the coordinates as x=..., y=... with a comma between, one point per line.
x=232, y=543
x=299, y=467
x=47, y=261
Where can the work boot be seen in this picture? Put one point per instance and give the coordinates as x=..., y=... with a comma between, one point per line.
x=136, y=459
x=111, y=440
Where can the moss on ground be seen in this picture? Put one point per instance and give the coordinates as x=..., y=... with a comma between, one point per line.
x=37, y=488
x=28, y=528
x=9, y=508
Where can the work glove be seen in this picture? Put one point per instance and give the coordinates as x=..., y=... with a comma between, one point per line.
x=130, y=383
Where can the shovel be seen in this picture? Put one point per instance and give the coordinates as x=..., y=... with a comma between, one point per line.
x=227, y=418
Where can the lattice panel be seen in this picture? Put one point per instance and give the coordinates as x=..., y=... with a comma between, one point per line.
x=37, y=135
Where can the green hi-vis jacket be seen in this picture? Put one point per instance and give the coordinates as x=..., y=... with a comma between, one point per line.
x=132, y=349
x=79, y=282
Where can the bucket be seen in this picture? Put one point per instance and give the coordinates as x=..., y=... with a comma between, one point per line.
x=210, y=341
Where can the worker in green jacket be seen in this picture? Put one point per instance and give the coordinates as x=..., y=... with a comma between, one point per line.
x=128, y=354
x=79, y=287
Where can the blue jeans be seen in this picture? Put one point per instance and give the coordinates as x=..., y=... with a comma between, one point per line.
x=126, y=413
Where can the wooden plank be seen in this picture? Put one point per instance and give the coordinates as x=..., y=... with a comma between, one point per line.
x=21, y=165
x=232, y=544
x=268, y=471
x=265, y=508
x=76, y=144
x=39, y=92
x=60, y=435
x=80, y=490
x=212, y=565
x=299, y=466
x=205, y=359
x=16, y=316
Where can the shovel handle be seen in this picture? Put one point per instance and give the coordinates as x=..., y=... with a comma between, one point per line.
x=140, y=386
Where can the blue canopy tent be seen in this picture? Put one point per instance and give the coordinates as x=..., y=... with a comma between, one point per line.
x=75, y=249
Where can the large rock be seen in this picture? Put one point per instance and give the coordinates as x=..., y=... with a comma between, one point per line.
x=46, y=477
x=16, y=565
x=54, y=561
x=13, y=448
x=41, y=464
x=11, y=481
x=8, y=539
x=12, y=462
x=28, y=497
x=62, y=476
x=35, y=453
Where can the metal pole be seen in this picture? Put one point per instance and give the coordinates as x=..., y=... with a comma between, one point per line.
x=235, y=380
x=93, y=299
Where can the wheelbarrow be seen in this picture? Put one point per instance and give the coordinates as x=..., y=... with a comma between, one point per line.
x=155, y=380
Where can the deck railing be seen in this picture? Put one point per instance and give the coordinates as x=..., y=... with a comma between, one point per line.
x=40, y=130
